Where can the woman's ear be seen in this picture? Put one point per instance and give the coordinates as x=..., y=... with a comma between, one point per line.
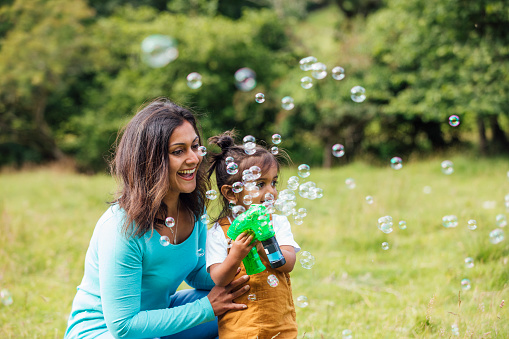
x=227, y=192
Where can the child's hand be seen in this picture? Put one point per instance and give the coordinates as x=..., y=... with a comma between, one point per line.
x=242, y=245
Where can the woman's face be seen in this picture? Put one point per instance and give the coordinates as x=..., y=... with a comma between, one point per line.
x=184, y=159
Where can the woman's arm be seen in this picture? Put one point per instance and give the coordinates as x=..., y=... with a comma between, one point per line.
x=120, y=263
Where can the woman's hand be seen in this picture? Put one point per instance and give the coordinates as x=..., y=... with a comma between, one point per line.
x=221, y=298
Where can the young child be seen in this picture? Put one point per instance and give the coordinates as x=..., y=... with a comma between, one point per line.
x=270, y=312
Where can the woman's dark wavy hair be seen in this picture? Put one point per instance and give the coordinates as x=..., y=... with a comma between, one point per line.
x=141, y=166
x=262, y=158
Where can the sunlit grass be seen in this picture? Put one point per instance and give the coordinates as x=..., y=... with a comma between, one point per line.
x=411, y=290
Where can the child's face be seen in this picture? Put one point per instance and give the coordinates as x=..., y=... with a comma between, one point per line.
x=266, y=184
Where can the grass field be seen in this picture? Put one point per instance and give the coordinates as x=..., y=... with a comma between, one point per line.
x=411, y=290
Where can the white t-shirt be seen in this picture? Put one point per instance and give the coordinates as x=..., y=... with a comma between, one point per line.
x=216, y=249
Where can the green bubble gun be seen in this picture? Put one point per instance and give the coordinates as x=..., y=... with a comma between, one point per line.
x=256, y=221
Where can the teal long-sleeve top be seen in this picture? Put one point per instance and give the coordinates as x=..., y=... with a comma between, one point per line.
x=128, y=282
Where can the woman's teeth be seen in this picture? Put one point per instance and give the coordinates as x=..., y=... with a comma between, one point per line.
x=187, y=172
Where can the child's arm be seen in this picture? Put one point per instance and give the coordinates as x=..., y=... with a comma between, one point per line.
x=289, y=254
x=223, y=273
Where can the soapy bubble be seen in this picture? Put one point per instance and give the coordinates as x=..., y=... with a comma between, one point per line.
x=251, y=297
x=396, y=163
x=158, y=50
x=304, y=170
x=232, y=168
x=369, y=200
x=306, y=82
x=307, y=63
x=237, y=210
x=501, y=220
x=319, y=70
x=472, y=224
x=276, y=139
x=449, y=221
x=347, y=334
x=202, y=151
x=260, y=98
x=164, y=241
x=465, y=284
x=338, y=150
x=287, y=103
x=245, y=79
x=385, y=224
x=454, y=120
x=302, y=301
x=211, y=194
x=194, y=80
x=302, y=212
x=307, y=260
x=169, y=222
x=385, y=245
x=229, y=160
x=247, y=200
x=496, y=236
x=350, y=183
x=272, y=280
x=358, y=94
x=402, y=224
x=205, y=219
x=469, y=262
x=447, y=167
x=6, y=297
x=338, y=73
x=237, y=187
x=274, y=150
x=200, y=252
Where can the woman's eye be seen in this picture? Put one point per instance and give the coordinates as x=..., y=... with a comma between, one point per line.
x=177, y=152
x=260, y=184
x=195, y=146
x=274, y=183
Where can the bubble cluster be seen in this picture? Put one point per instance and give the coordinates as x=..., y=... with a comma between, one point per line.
x=211, y=194
x=260, y=98
x=272, y=280
x=402, y=225
x=307, y=260
x=358, y=94
x=465, y=284
x=338, y=150
x=454, y=120
x=396, y=163
x=385, y=224
x=202, y=151
x=158, y=50
x=287, y=103
x=450, y=221
x=304, y=170
x=232, y=168
x=496, y=236
x=307, y=63
x=194, y=80
x=370, y=200
x=385, y=246
x=447, y=167
x=319, y=70
x=238, y=210
x=169, y=222
x=306, y=82
x=302, y=301
x=245, y=79
x=472, y=224
x=469, y=262
x=338, y=73
x=164, y=241
x=6, y=297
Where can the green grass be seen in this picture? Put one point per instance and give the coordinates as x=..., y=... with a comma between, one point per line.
x=411, y=290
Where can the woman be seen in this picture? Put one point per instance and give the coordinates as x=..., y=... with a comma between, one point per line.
x=131, y=277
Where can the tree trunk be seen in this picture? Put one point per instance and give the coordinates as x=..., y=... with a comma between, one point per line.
x=327, y=155
x=43, y=138
x=482, y=134
x=499, y=137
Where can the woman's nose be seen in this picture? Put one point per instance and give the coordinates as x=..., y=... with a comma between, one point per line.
x=193, y=158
